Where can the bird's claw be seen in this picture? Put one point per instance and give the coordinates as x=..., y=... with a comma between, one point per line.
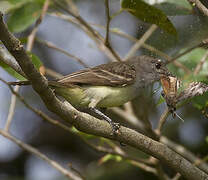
x=115, y=128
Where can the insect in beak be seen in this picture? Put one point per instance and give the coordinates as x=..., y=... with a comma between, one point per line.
x=170, y=85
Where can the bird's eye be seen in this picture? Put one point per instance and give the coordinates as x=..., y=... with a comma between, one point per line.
x=158, y=65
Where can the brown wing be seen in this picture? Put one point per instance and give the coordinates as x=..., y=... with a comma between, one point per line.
x=111, y=74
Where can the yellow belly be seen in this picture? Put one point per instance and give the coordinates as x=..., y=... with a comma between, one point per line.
x=110, y=96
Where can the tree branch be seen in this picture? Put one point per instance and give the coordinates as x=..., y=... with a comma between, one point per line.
x=89, y=124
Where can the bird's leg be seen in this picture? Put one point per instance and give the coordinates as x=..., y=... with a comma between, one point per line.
x=115, y=126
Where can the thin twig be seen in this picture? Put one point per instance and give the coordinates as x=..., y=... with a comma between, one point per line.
x=200, y=64
x=139, y=43
x=201, y=7
x=53, y=46
x=68, y=173
x=108, y=22
x=162, y=121
x=107, y=42
x=115, y=151
x=10, y=61
x=32, y=35
x=11, y=110
x=143, y=166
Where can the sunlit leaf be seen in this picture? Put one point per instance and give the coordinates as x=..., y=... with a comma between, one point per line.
x=148, y=13
x=110, y=157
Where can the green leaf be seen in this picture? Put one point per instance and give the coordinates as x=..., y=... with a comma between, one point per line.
x=24, y=16
x=171, y=9
x=182, y=3
x=200, y=102
x=148, y=13
x=35, y=60
x=11, y=71
x=16, y=1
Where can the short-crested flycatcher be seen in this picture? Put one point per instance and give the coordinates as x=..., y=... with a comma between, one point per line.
x=109, y=85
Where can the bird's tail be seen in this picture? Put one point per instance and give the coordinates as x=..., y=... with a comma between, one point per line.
x=20, y=83
x=50, y=83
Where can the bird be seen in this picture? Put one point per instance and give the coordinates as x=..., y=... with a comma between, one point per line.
x=109, y=85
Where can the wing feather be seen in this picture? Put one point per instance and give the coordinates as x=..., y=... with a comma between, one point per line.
x=111, y=74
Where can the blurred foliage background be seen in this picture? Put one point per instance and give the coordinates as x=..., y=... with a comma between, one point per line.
x=185, y=27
